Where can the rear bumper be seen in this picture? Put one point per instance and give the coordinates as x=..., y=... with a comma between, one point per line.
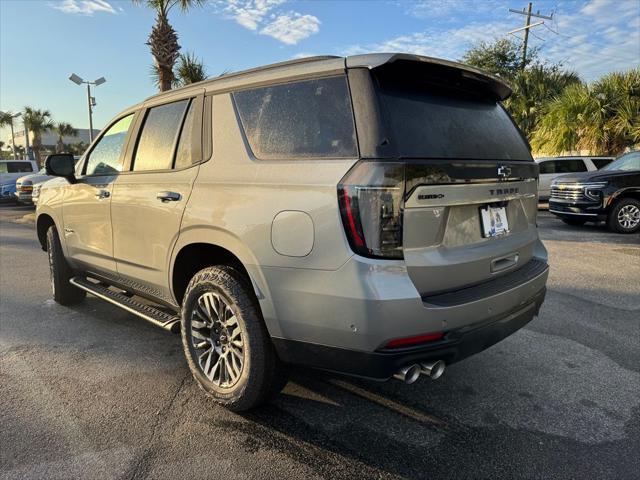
x=382, y=364
x=367, y=303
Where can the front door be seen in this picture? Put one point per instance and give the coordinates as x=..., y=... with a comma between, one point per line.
x=149, y=200
x=87, y=203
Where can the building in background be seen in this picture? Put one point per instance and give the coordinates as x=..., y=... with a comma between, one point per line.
x=49, y=140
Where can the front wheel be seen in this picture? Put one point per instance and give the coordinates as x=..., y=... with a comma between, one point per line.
x=625, y=216
x=60, y=273
x=226, y=342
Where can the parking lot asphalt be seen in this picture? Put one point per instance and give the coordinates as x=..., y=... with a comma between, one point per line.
x=94, y=392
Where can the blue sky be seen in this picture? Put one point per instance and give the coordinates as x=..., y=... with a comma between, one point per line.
x=43, y=42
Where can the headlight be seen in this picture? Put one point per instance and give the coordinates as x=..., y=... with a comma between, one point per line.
x=593, y=191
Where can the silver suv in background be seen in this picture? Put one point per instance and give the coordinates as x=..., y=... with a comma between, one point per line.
x=373, y=215
x=553, y=167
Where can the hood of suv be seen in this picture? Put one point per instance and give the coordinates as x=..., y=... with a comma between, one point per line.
x=597, y=176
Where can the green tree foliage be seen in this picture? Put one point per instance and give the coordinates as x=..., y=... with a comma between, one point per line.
x=189, y=69
x=501, y=57
x=602, y=117
x=63, y=130
x=37, y=122
x=533, y=88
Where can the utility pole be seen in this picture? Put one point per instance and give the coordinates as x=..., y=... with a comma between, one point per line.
x=527, y=26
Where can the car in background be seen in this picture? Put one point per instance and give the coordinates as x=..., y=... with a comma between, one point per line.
x=8, y=191
x=25, y=185
x=551, y=167
x=611, y=194
x=11, y=170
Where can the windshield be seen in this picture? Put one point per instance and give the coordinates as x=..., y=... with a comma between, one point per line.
x=434, y=121
x=629, y=161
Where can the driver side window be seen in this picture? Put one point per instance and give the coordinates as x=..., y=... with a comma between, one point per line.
x=106, y=156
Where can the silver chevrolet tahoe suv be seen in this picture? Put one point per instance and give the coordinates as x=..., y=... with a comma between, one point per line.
x=373, y=215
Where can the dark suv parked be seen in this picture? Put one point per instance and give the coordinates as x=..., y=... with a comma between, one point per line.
x=611, y=194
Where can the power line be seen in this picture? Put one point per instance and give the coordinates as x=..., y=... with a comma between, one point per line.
x=528, y=26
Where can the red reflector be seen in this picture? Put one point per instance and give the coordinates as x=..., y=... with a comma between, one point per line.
x=403, y=342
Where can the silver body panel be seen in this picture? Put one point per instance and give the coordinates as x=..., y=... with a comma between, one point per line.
x=281, y=220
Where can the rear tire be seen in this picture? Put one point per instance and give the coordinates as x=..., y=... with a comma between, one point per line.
x=625, y=216
x=226, y=342
x=60, y=273
x=574, y=221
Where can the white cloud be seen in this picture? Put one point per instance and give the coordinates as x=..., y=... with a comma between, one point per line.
x=261, y=16
x=250, y=13
x=450, y=43
x=292, y=27
x=596, y=38
x=85, y=7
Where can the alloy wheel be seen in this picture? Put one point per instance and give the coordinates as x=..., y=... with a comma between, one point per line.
x=217, y=338
x=629, y=216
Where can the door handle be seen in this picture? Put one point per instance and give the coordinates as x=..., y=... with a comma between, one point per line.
x=168, y=196
x=103, y=194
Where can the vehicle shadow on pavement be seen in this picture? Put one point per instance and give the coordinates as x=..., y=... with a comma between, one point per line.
x=409, y=431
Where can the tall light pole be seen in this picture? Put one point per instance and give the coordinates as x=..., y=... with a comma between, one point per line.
x=91, y=102
x=13, y=140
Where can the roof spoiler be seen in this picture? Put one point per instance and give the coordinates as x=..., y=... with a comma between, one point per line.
x=491, y=83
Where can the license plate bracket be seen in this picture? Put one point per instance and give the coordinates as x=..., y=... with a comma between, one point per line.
x=494, y=221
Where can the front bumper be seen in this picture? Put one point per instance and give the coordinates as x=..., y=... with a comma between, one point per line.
x=457, y=345
x=24, y=197
x=585, y=210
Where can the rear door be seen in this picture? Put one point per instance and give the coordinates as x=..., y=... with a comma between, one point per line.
x=470, y=195
x=87, y=203
x=149, y=199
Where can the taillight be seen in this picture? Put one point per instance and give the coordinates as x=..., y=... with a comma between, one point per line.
x=371, y=203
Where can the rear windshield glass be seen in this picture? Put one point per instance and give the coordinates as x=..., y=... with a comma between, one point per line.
x=427, y=120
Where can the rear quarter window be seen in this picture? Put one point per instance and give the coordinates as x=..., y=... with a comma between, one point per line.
x=309, y=119
x=601, y=162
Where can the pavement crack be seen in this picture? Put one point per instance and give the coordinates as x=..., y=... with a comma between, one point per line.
x=141, y=467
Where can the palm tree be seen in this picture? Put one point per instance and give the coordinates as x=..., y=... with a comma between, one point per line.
x=63, y=130
x=189, y=69
x=603, y=117
x=163, y=39
x=37, y=122
x=532, y=89
x=6, y=120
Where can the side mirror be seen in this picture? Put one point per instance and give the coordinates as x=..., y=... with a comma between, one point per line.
x=61, y=165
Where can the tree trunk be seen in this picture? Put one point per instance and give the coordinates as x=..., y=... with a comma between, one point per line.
x=163, y=41
x=60, y=146
x=36, y=146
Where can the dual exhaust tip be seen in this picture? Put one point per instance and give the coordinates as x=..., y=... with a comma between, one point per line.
x=411, y=373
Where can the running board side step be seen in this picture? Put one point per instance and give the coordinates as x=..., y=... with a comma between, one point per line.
x=150, y=314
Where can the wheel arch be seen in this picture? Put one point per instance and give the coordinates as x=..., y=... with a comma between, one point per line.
x=201, y=247
x=628, y=193
x=43, y=223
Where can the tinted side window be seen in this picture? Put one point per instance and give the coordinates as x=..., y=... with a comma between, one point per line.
x=601, y=162
x=106, y=158
x=157, y=141
x=184, y=155
x=548, y=167
x=571, y=166
x=19, y=167
x=307, y=119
